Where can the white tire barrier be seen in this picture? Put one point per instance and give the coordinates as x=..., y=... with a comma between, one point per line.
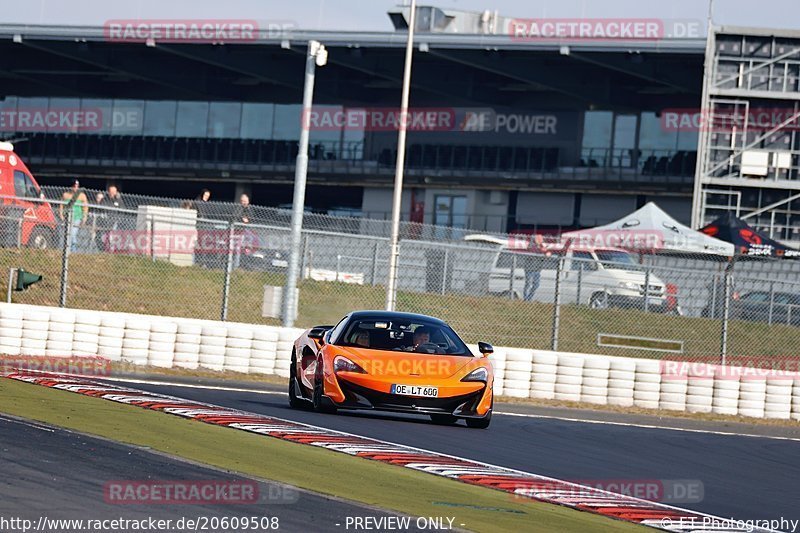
x=189, y=343
x=569, y=377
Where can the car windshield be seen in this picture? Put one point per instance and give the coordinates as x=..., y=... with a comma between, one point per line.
x=402, y=335
x=617, y=259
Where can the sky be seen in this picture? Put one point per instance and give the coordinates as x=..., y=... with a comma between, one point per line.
x=370, y=15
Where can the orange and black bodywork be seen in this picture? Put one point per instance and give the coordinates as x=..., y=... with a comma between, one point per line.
x=392, y=361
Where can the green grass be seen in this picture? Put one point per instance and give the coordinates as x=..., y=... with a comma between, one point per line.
x=373, y=483
x=132, y=284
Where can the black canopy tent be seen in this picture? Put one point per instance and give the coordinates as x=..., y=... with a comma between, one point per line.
x=746, y=240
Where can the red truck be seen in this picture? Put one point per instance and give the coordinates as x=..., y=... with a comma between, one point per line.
x=24, y=213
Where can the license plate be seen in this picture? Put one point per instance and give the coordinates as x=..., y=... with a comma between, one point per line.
x=415, y=390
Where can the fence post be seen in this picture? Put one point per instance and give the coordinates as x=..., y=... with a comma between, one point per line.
x=647, y=289
x=304, y=258
x=557, y=304
x=771, y=301
x=151, y=231
x=714, y=283
x=511, y=278
x=11, y=272
x=580, y=280
x=226, y=289
x=723, y=349
x=66, y=245
x=338, y=265
x=375, y=264
x=444, y=271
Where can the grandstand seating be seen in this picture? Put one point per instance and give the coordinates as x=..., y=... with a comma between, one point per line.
x=122, y=150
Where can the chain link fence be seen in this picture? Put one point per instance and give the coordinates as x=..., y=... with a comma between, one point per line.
x=168, y=260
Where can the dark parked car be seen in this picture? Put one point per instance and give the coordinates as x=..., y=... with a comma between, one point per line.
x=756, y=306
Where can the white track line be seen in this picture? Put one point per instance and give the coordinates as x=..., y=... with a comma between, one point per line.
x=649, y=426
x=29, y=424
x=503, y=413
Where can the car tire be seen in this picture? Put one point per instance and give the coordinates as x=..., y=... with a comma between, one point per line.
x=599, y=300
x=41, y=238
x=480, y=423
x=321, y=403
x=294, y=401
x=443, y=420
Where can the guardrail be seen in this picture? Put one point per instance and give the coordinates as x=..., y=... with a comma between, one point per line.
x=27, y=330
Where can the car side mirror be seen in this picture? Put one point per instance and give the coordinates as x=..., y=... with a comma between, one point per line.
x=318, y=332
x=485, y=348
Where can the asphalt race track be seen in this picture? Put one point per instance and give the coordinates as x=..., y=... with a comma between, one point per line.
x=58, y=474
x=744, y=477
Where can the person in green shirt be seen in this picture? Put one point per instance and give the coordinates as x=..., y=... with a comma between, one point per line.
x=79, y=204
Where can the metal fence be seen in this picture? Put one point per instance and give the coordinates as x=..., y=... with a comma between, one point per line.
x=163, y=260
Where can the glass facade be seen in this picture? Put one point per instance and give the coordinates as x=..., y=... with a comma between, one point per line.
x=159, y=118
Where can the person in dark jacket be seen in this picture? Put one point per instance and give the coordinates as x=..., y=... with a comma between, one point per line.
x=243, y=213
x=109, y=217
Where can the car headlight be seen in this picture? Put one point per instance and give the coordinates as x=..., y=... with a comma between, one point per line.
x=479, y=374
x=343, y=364
x=630, y=285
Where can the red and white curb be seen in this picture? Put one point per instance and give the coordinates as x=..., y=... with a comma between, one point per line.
x=518, y=483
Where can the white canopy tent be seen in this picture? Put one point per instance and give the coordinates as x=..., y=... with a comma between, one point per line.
x=651, y=229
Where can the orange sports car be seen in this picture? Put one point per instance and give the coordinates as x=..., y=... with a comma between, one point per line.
x=392, y=361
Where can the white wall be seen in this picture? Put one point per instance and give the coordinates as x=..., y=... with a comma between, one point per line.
x=522, y=373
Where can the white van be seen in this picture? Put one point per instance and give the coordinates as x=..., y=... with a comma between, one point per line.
x=600, y=278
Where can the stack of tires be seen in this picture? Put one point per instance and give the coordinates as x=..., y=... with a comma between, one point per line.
x=35, y=324
x=594, y=387
x=498, y=359
x=283, y=353
x=647, y=383
x=111, y=336
x=796, y=399
x=725, y=400
x=673, y=392
x=264, y=350
x=543, y=376
x=238, y=345
x=517, y=377
x=621, y=381
x=60, y=332
x=212, y=347
x=11, y=331
x=700, y=389
x=187, y=344
x=778, y=402
x=569, y=377
x=136, y=341
x=86, y=337
x=163, y=336
x=752, y=396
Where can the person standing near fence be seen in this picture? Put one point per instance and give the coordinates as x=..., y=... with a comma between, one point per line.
x=203, y=255
x=111, y=217
x=79, y=204
x=533, y=262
